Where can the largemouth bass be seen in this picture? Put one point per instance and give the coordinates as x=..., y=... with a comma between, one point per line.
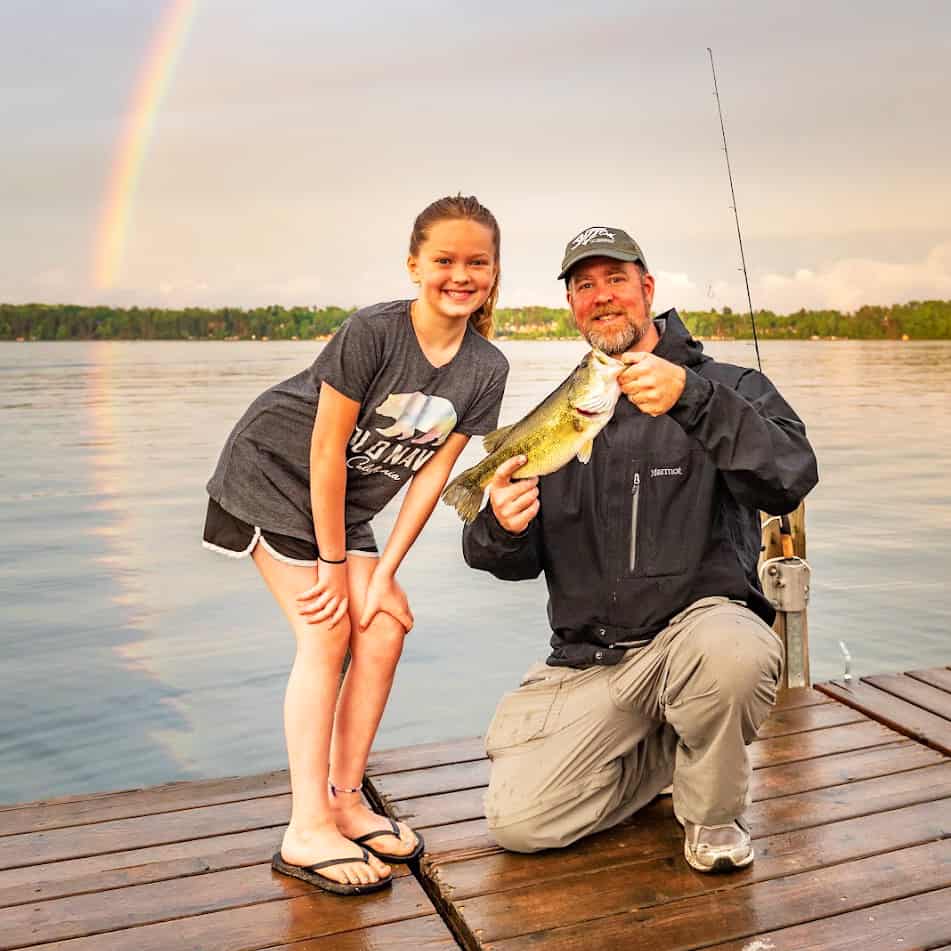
x=560, y=428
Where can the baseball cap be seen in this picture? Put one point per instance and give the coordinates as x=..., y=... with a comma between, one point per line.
x=602, y=243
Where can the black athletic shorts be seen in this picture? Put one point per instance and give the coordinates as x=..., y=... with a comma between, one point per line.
x=230, y=535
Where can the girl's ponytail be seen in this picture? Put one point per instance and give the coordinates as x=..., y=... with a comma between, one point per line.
x=455, y=207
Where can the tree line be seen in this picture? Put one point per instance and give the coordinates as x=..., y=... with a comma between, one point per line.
x=917, y=320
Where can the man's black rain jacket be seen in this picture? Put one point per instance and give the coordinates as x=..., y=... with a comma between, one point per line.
x=665, y=512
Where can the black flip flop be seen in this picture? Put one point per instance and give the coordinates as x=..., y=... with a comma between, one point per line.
x=394, y=830
x=309, y=874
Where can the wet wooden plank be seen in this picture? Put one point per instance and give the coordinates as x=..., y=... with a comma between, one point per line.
x=257, y=899
x=836, y=803
x=910, y=924
x=789, y=698
x=313, y=915
x=802, y=746
x=33, y=848
x=425, y=755
x=36, y=817
x=802, y=719
x=515, y=921
x=939, y=677
x=927, y=728
x=433, y=780
x=646, y=853
x=439, y=810
x=839, y=768
x=137, y=867
x=933, y=699
x=459, y=841
x=418, y=934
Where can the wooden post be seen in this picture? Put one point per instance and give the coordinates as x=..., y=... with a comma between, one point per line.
x=792, y=627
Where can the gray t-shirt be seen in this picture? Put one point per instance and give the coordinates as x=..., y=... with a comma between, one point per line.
x=408, y=408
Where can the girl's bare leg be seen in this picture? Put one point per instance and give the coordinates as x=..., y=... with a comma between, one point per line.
x=374, y=654
x=312, y=835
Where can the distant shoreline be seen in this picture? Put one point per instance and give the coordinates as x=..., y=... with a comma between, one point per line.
x=917, y=320
x=505, y=338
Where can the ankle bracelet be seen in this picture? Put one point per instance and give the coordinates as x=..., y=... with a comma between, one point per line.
x=339, y=789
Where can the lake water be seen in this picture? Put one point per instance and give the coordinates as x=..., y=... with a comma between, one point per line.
x=131, y=656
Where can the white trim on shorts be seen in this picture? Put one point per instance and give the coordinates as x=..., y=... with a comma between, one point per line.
x=230, y=552
x=276, y=555
x=286, y=559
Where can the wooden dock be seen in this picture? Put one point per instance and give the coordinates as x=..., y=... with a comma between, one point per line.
x=851, y=817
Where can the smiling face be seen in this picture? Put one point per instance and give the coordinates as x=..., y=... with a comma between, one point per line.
x=455, y=268
x=611, y=303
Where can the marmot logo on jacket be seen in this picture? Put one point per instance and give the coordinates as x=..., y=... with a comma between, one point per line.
x=667, y=472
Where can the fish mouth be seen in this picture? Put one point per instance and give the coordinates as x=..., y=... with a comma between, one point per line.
x=605, y=366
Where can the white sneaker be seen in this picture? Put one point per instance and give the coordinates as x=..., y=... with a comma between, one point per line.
x=720, y=848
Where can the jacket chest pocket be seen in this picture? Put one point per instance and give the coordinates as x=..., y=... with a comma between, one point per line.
x=663, y=502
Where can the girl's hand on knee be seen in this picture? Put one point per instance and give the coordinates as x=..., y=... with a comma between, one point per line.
x=385, y=594
x=326, y=601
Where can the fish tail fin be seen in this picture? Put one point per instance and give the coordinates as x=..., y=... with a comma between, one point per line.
x=464, y=494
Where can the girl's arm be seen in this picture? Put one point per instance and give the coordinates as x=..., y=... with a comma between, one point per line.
x=333, y=426
x=421, y=497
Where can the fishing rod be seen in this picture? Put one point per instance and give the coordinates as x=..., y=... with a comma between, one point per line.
x=785, y=579
x=736, y=214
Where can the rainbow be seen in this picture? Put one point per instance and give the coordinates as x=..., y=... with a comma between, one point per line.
x=151, y=86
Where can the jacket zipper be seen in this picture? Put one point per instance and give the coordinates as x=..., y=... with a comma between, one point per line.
x=635, y=495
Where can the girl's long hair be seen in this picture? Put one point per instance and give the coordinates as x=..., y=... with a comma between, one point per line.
x=454, y=207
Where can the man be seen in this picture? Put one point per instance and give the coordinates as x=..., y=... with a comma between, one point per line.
x=663, y=664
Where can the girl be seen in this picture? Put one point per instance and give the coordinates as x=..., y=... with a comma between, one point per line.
x=395, y=395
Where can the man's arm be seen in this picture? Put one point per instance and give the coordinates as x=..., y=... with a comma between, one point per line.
x=503, y=539
x=752, y=434
x=754, y=437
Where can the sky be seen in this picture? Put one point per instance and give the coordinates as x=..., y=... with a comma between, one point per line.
x=297, y=140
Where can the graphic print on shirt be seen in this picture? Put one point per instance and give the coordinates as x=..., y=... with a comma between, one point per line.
x=432, y=416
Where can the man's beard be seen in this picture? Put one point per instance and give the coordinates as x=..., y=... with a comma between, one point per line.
x=616, y=341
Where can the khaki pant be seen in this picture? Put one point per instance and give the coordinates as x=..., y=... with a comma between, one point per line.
x=577, y=751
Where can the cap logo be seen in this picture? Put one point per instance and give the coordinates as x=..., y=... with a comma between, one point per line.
x=592, y=235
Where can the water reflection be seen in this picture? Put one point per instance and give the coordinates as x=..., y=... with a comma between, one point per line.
x=132, y=656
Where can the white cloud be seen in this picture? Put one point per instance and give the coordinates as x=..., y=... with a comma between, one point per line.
x=676, y=281
x=849, y=283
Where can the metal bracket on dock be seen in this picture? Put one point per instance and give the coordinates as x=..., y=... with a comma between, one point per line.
x=786, y=583
x=786, y=586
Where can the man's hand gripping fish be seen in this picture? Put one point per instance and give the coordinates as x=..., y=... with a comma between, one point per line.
x=562, y=426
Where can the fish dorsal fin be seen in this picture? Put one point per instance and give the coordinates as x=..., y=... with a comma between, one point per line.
x=584, y=451
x=492, y=441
